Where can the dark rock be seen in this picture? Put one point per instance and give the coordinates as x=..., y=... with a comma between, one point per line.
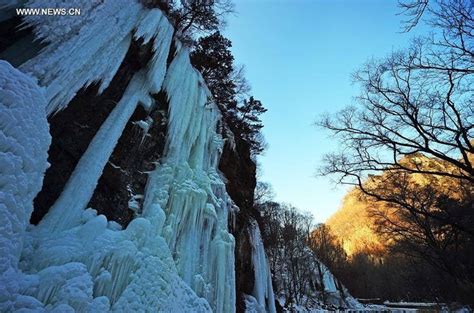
x=240, y=172
x=73, y=128
x=126, y=172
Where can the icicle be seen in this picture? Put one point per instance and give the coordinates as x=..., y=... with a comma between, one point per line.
x=145, y=126
x=186, y=185
x=263, y=289
x=80, y=52
x=156, y=26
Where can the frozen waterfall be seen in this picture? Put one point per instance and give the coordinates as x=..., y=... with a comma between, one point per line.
x=178, y=254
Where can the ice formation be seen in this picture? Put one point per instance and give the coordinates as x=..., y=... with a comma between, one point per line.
x=263, y=289
x=191, y=190
x=24, y=140
x=149, y=24
x=177, y=255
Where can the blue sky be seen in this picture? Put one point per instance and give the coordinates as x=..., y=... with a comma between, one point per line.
x=299, y=55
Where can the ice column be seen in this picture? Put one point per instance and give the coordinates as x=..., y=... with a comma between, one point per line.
x=263, y=289
x=187, y=185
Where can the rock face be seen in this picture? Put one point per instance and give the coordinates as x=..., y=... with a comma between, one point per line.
x=239, y=169
x=354, y=227
x=73, y=128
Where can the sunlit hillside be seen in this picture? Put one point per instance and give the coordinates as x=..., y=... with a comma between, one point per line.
x=355, y=222
x=352, y=225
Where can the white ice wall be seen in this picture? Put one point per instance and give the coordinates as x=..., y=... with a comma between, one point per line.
x=24, y=141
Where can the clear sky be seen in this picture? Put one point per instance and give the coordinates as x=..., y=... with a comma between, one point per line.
x=299, y=55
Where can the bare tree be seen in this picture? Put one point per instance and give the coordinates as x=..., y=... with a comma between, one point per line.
x=414, y=105
x=263, y=193
x=408, y=144
x=242, y=86
x=286, y=235
x=414, y=10
x=326, y=247
x=437, y=230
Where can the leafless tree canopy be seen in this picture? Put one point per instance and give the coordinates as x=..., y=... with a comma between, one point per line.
x=418, y=100
x=408, y=143
x=298, y=274
x=413, y=10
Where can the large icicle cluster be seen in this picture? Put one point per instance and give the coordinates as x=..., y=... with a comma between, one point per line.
x=177, y=256
x=188, y=185
x=81, y=50
x=79, y=189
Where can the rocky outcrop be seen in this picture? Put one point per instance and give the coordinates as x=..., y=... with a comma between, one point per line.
x=239, y=169
x=73, y=128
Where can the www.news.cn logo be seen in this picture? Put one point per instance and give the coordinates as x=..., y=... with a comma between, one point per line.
x=48, y=11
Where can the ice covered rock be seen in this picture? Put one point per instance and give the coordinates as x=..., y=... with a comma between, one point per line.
x=24, y=142
x=176, y=255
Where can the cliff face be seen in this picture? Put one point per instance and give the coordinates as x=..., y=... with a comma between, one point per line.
x=133, y=212
x=239, y=170
x=73, y=128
